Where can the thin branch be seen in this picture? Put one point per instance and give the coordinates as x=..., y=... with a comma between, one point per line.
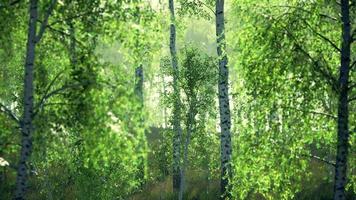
x=9, y=113
x=45, y=21
x=320, y=159
x=10, y=4
x=50, y=85
x=207, y=6
x=324, y=72
x=306, y=11
x=73, y=17
x=59, y=103
x=53, y=93
x=317, y=67
x=313, y=112
x=64, y=34
x=15, y=2
x=323, y=37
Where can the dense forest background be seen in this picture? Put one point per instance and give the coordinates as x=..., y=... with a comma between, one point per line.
x=177, y=99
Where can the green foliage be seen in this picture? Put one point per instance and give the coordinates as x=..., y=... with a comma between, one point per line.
x=197, y=80
x=94, y=139
x=286, y=100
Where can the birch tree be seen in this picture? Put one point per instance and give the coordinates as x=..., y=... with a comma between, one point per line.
x=34, y=36
x=177, y=130
x=314, y=62
x=198, y=83
x=343, y=132
x=224, y=104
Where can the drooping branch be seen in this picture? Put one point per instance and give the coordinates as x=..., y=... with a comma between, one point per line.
x=13, y=3
x=207, y=6
x=76, y=16
x=45, y=20
x=323, y=37
x=49, y=87
x=320, y=159
x=307, y=11
x=64, y=34
x=325, y=72
x=9, y=113
x=313, y=112
x=43, y=100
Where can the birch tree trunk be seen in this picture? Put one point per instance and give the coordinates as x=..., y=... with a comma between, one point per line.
x=343, y=111
x=177, y=130
x=190, y=124
x=224, y=105
x=26, y=123
x=139, y=78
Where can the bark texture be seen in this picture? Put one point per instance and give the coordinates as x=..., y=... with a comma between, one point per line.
x=224, y=105
x=343, y=111
x=26, y=123
x=190, y=125
x=177, y=130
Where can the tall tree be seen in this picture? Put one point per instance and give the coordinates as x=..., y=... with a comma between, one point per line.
x=198, y=87
x=343, y=111
x=177, y=130
x=224, y=105
x=28, y=113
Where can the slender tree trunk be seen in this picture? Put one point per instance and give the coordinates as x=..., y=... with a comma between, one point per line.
x=26, y=123
x=177, y=130
x=164, y=108
x=139, y=83
x=224, y=105
x=142, y=146
x=185, y=163
x=138, y=63
x=72, y=44
x=190, y=124
x=139, y=76
x=343, y=112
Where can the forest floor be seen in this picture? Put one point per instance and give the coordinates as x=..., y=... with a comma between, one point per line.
x=197, y=186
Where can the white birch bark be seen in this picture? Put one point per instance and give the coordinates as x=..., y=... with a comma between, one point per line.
x=177, y=130
x=190, y=124
x=224, y=105
x=26, y=123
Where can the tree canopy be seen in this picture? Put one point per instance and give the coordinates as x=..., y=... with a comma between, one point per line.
x=177, y=99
